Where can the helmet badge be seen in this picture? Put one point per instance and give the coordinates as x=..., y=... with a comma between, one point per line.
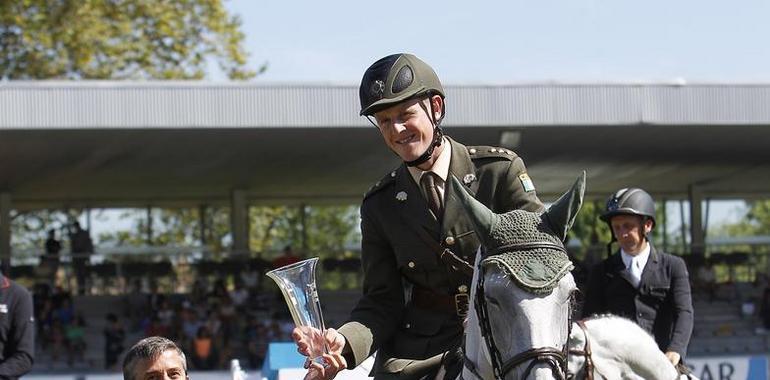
x=612, y=204
x=378, y=89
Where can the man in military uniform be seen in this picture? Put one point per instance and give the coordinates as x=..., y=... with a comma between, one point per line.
x=417, y=244
x=640, y=282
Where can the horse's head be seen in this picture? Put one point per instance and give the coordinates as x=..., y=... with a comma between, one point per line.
x=522, y=288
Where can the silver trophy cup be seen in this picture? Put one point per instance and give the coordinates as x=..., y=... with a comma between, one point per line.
x=297, y=283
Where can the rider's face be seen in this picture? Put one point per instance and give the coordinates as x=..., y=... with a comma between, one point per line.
x=407, y=127
x=630, y=232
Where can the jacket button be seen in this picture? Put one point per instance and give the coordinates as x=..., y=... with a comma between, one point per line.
x=407, y=326
x=462, y=289
x=639, y=315
x=411, y=264
x=450, y=240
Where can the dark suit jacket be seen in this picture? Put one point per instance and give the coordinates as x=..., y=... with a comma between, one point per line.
x=396, y=259
x=662, y=305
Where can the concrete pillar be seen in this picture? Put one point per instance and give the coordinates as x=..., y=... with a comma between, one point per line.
x=697, y=235
x=239, y=221
x=5, y=231
x=148, y=228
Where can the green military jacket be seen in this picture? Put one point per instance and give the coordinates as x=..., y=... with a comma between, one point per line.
x=395, y=259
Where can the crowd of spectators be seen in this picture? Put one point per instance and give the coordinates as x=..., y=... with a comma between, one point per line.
x=60, y=329
x=214, y=322
x=219, y=319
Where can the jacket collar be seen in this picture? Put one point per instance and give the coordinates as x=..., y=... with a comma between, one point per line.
x=619, y=268
x=415, y=206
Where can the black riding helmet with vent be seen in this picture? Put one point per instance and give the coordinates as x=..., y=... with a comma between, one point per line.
x=629, y=201
x=398, y=78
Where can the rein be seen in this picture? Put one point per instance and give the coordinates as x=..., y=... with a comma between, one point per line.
x=586, y=351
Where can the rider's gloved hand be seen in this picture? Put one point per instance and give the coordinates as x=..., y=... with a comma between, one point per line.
x=673, y=357
x=308, y=339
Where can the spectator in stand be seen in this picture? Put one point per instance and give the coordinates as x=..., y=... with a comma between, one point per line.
x=255, y=339
x=204, y=355
x=288, y=257
x=114, y=335
x=239, y=295
x=82, y=248
x=50, y=262
x=707, y=280
x=75, y=340
x=136, y=305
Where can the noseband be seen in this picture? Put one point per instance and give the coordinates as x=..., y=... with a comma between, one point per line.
x=554, y=358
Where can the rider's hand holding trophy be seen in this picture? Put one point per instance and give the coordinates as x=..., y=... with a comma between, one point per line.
x=323, y=347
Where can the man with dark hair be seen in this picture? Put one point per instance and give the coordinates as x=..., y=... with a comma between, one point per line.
x=17, y=330
x=154, y=358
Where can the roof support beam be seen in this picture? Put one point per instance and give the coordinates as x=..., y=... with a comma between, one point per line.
x=697, y=235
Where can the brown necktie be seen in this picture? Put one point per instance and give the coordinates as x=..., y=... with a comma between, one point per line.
x=428, y=184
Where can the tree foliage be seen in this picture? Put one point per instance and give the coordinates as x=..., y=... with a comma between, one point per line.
x=330, y=229
x=119, y=39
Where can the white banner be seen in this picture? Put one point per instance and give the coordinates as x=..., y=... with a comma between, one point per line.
x=729, y=367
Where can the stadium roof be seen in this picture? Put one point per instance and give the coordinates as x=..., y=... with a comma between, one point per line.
x=103, y=144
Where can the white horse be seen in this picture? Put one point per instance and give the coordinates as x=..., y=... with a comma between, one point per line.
x=521, y=297
x=619, y=349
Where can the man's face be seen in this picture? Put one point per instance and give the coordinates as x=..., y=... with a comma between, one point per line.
x=167, y=366
x=406, y=127
x=629, y=231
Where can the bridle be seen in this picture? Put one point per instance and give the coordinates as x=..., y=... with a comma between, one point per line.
x=554, y=358
x=586, y=351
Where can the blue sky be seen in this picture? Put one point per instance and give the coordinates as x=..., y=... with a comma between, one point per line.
x=495, y=42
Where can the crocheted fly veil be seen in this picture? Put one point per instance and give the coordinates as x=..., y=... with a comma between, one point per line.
x=528, y=246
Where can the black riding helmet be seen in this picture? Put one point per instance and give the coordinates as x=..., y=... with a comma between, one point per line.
x=395, y=79
x=629, y=201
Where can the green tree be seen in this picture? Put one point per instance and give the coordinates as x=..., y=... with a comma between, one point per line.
x=329, y=229
x=119, y=39
x=757, y=220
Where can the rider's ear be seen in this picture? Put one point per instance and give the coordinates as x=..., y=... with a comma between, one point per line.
x=562, y=213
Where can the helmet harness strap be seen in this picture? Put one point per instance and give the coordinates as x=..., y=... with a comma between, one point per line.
x=438, y=133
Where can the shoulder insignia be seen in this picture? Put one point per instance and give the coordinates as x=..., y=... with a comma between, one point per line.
x=490, y=152
x=526, y=182
x=381, y=184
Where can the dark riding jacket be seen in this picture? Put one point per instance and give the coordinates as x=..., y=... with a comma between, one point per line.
x=662, y=305
x=407, y=310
